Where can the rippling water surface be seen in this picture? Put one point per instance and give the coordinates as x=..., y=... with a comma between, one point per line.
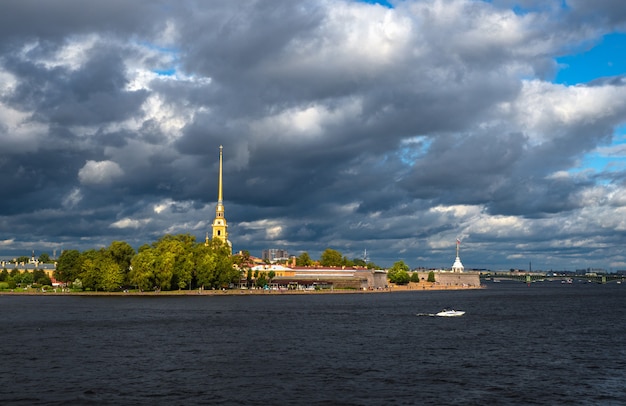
x=544, y=344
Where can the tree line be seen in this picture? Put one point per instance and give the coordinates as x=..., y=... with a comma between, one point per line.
x=172, y=262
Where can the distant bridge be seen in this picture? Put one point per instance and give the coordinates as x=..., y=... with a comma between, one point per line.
x=538, y=277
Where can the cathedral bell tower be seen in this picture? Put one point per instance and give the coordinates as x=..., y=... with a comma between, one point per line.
x=220, y=228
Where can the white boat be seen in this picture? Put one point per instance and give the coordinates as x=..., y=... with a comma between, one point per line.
x=450, y=313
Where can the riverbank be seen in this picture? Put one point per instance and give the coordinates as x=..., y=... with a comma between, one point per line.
x=416, y=287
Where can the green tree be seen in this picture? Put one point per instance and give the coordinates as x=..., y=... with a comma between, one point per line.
x=205, y=263
x=112, y=277
x=99, y=271
x=261, y=281
x=431, y=276
x=304, y=259
x=331, y=257
x=184, y=265
x=122, y=253
x=23, y=259
x=227, y=274
x=40, y=277
x=27, y=278
x=398, y=273
x=89, y=270
x=68, y=266
x=400, y=265
x=359, y=262
x=142, y=269
x=4, y=275
x=44, y=258
x=346, y=262
x=215, y=266
x=174, y=263
x=415, y=277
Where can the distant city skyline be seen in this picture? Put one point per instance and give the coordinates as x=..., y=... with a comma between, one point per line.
x=394, y=127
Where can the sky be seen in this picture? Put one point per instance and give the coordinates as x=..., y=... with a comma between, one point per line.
x=394, y=127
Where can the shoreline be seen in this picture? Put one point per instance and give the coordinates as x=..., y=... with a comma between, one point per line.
x=251, y=292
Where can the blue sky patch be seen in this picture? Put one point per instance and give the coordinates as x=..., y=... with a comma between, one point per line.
x=607, y=58
x=381, y=2
x=165, y=72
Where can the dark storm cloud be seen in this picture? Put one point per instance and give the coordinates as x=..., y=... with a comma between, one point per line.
x=344, y=125
x=91, y=95
x=27, y=20
x=256, y=33
x=468, y=170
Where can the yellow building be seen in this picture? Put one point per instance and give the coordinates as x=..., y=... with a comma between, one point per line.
x=220, y=228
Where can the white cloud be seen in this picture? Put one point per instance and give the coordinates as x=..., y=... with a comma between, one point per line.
x=102, y=172
x=18, y=133
x=162, y=206
x=129, y=223
x=546, y=110
x=73, y=54
x=309, y=121
x=354, y=39
x=7, y=242
x=272, y=228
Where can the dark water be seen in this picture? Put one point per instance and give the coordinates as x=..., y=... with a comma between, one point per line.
x=544, y=344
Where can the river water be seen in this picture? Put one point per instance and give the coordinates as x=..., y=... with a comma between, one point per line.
x=547, y=343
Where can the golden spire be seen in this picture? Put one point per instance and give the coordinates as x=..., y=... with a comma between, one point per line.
x=220, y=228
x=219, y=191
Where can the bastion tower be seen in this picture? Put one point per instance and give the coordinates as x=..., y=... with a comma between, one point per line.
x=220, y=228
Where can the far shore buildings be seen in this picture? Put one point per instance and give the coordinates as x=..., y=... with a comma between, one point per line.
x=30, y=266
x=312, y=277
x=48, y=268
x=275, y=254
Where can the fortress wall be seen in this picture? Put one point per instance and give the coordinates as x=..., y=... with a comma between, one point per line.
x=465, y=278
